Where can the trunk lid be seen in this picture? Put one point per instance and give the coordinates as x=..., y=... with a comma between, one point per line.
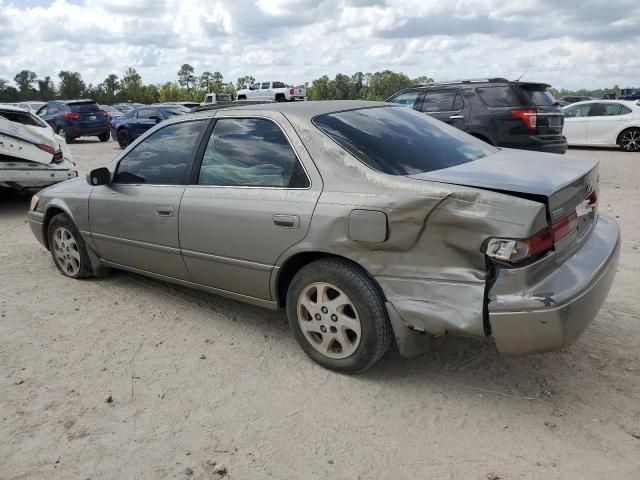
x=567, y=185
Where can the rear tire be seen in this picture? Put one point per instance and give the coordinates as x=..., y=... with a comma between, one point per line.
x=242, y=97
x=103, y=137
x=123, y=138
x=67, y=247
x=338, y=316
x=280, y=97
x=629, y=140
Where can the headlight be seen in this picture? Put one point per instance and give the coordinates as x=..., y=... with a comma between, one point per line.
x=34, y=202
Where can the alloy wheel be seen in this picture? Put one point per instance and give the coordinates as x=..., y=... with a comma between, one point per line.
x=631, y=140
x=329, y=320
x=66, y=252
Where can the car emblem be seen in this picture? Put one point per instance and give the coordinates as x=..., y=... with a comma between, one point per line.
x=588, y=186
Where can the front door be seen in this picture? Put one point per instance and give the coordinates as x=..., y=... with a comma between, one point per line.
x=575, y=123
x=250, y=200
x=146, y=118
x=134, y=220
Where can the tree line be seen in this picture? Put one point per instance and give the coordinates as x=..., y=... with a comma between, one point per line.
x=191, y=86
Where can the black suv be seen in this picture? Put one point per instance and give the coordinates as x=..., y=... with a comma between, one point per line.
x=501, y=112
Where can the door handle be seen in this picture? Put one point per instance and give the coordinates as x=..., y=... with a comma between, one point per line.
x=164, y=210
x=456, y=117
x=286, y=221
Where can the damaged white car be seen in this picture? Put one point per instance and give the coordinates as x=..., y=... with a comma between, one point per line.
x=32, y=156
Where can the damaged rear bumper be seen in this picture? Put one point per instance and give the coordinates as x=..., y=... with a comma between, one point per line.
x=554, y=312
x=33, y=178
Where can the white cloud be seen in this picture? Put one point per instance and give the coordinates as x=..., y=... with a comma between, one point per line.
x=573, y=43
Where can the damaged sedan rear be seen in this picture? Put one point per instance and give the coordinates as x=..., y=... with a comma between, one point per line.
x=32, y=156
x=364, y=221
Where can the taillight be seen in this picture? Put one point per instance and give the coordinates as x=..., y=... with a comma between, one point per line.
x=71, y=115
x=46, y=148
x=529, y=116
x=57, y=157
x=516, y=251
x=292, y=91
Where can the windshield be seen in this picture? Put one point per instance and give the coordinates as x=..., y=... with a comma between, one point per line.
x=401, y=141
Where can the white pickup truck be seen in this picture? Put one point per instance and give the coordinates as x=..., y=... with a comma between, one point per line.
x=276, y=91
x=211, y=98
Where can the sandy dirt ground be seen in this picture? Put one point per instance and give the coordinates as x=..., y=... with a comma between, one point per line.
x=129, y=378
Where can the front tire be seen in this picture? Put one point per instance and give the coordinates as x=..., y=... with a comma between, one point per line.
x=67, y=247
x=630, y=140
x=103, y=137
x=338, y=316
x=123, y=139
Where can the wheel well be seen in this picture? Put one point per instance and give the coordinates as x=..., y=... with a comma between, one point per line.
x=51, y=212
x=296, y=262
x=619, y=139
x=280, y=96
x=479, y=136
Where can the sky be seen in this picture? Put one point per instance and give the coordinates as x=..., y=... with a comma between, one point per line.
x=567, y=43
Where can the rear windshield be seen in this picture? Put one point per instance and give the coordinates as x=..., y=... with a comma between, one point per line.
x=84, y=107
x=538, y=97
x=24, y=118
x=401, y=141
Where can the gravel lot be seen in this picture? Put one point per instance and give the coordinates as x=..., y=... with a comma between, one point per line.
x=197, y=382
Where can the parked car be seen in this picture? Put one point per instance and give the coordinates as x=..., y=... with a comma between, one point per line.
x=213, y=98
x=604, y=123
x=76, y=118
x=111, y=112
x=574, y=99
x=500, y=112
x=631, y=96
x=131, y=125
x=33, y=107
x=365, y=221
x=32, y=156
x=275, y=91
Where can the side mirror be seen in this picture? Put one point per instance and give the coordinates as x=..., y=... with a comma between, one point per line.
x=99, y=176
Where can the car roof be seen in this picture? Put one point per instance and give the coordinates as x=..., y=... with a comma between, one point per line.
x=629, y=103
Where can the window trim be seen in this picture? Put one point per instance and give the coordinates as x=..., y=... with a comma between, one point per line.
x=185, y=176
x=195, y=171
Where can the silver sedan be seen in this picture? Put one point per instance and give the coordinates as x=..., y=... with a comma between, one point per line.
x=366, y=222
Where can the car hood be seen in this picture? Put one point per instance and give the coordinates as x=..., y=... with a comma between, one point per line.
x=517, y=171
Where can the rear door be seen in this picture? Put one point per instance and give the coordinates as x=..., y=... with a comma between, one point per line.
x=134, y=220
x=575, y=123
x=604, y=122
x=446, y=105
x=248, y=202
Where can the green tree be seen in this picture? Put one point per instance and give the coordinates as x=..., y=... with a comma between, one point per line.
x=111, y=87
x=46, y=88
x=186, y=78
x=206, y=80
x=245, y=82
x=71, y=85
x=25, y=80
x=131, y=85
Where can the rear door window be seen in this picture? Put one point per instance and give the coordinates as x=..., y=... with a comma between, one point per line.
x=401, y=141
x=265, y=86
x=605, y=110
x=250, y=152
x=439, y=101
x=162, y=157
x=148, y=113
x=500, y=96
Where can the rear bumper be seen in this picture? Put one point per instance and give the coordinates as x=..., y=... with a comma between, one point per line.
x=34, y=178
x=554, y=312
x=86, y=132
x=548, y=144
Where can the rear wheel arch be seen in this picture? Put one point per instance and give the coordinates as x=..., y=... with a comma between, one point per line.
x=295, y=263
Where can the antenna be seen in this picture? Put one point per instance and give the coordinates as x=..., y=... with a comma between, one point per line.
x=523, y=74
